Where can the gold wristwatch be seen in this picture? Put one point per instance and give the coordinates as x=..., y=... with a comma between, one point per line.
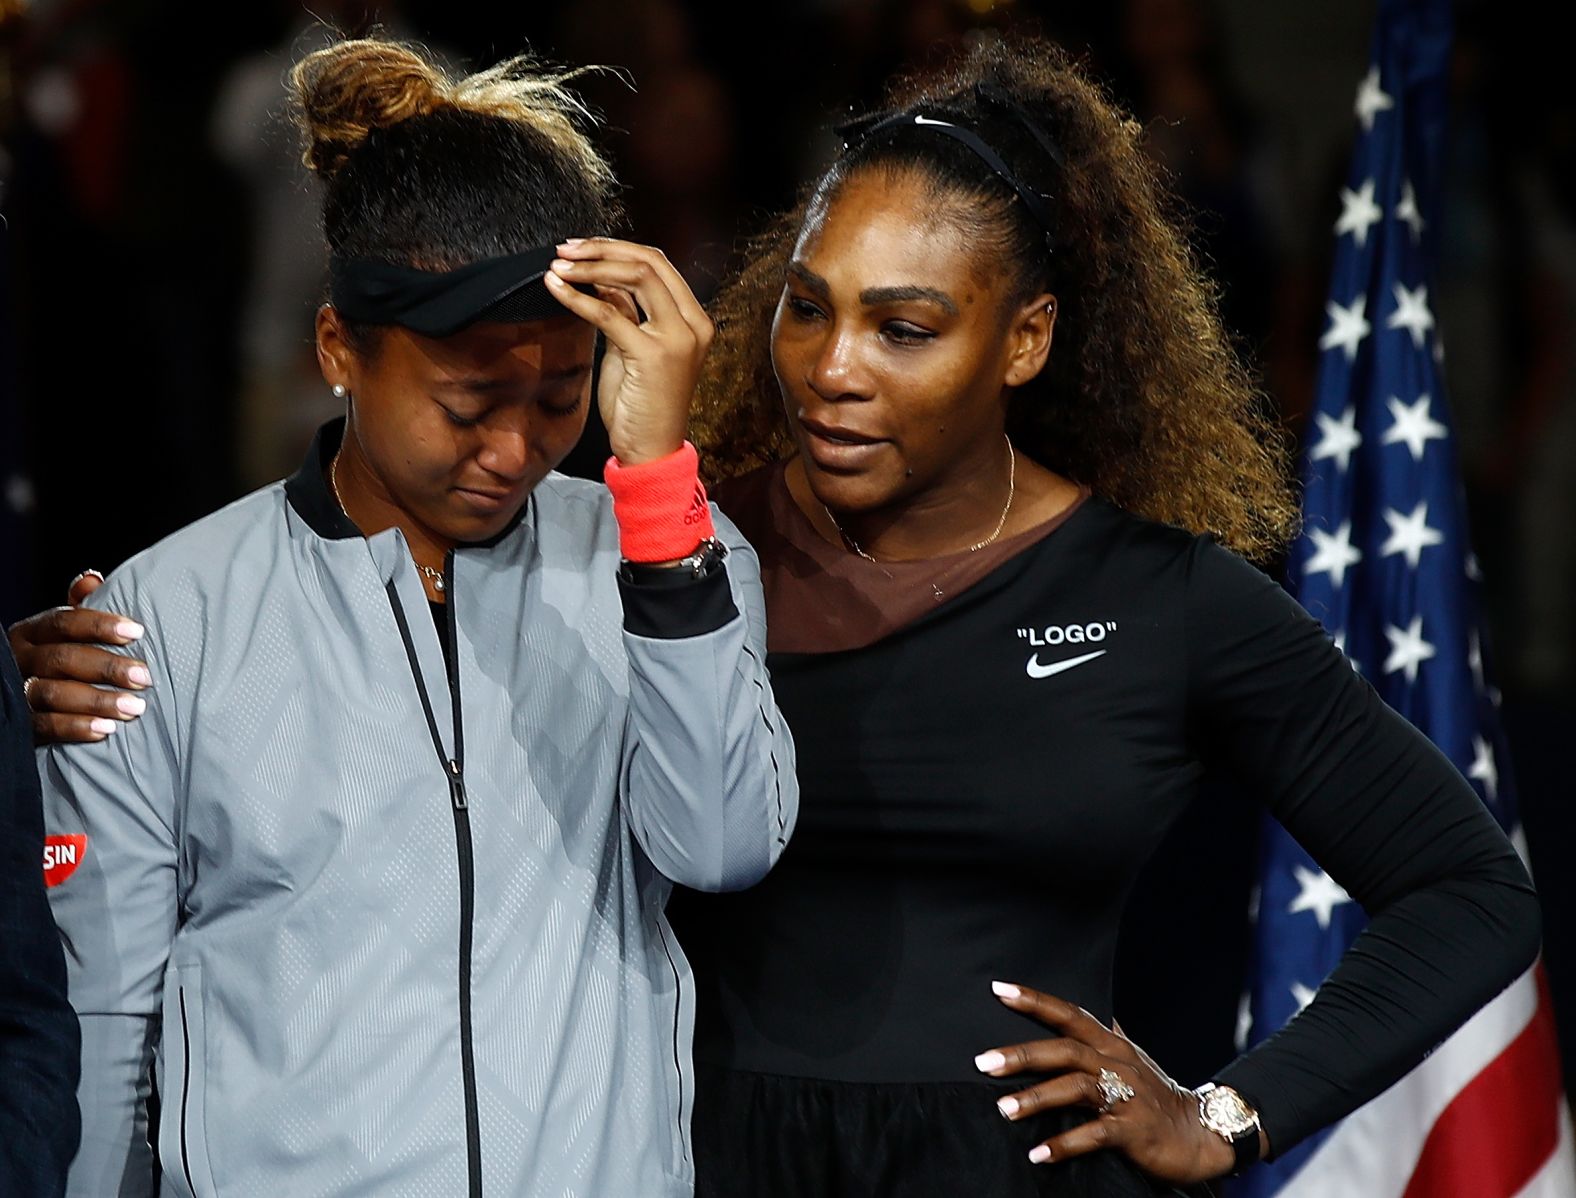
x=1223, y=1111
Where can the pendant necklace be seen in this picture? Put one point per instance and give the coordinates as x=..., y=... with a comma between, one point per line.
x=427, y=572
x=1012, y=480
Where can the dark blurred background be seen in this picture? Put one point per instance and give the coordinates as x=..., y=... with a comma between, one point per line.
x=162, y=264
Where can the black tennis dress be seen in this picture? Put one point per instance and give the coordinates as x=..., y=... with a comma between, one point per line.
x=989, y=750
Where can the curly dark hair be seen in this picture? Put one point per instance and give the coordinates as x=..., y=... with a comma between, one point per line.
x=1144, y=399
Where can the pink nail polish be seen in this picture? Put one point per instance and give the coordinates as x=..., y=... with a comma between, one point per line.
x=1005, y=990
x=988, y=1061
x=1007, y=1106
x=1039, y=1154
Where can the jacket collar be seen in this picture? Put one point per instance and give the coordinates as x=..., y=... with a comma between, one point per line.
x=309, y=494
x=308, y=491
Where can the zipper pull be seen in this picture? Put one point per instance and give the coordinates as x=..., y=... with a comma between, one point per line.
x=456, y=785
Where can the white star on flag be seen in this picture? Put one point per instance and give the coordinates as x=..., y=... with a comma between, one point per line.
x=1475, y=660
x=1332, y=553
x=1348, y=326
x=1407, y=211
x=1302, y=994
x=1337, y=438
x=1408, y=649
x=1359, y=213
x=1410, y=534
x=1371, y=100
x=1318, y=893
x=1411, y=313
x=1483, y=768
x=1413, y=425
x=1244, y=1021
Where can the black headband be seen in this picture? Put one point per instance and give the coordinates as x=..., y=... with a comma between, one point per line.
x=439, y=304
x=950, y=125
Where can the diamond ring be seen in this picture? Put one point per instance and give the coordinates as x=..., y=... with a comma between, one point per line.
x=1112, y=1089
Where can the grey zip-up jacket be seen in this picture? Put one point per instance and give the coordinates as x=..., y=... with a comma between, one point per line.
x=378, y=926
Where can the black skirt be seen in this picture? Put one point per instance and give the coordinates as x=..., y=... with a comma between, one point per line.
x=764, y=1136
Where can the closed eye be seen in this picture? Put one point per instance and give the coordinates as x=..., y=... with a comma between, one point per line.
x=901, y=332
x=560, y=407
x=803, y=309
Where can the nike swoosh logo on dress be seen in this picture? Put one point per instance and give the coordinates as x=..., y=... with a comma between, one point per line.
x=1036, y=670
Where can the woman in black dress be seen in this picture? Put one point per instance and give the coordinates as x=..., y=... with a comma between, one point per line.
x=995, y=422
x=1008, y=650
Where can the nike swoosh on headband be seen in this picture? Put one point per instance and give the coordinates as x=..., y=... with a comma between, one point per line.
x=1036, y=670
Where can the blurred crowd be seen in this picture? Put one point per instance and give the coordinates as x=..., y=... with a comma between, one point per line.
x=163, y=263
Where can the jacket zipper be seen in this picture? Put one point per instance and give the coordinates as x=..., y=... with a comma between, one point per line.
x=454, y=772
x=186, y=1089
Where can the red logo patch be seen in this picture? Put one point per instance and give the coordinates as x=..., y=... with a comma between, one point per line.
x=62, y=855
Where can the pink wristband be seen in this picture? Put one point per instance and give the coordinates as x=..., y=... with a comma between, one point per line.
x=660, y=506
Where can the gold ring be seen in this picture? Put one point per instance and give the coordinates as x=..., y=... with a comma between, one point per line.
x=27, y=689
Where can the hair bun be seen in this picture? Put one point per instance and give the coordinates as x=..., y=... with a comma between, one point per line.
x=341, y=93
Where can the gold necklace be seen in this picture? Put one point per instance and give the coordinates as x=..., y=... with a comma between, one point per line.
x=1012, y=486
x=434, y=576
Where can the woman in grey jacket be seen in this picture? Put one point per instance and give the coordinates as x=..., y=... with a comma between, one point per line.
x=374, y=892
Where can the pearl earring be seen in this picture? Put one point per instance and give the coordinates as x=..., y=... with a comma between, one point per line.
x=340, y=391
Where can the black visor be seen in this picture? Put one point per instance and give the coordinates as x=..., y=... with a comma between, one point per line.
x=440, y=304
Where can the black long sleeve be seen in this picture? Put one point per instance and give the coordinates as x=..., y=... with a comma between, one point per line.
x=982, y=784
x=1384, y=813
x=39, y=1046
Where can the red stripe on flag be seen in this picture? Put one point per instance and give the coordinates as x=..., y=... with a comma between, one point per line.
x=1500, y=1130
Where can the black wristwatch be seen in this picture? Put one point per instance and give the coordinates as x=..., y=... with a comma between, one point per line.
x=1223, y=1111
x=702, y=563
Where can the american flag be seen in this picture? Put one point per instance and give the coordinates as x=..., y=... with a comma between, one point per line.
x=1385, y=565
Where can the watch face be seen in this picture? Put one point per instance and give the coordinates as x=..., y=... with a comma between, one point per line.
x=1225, y=1112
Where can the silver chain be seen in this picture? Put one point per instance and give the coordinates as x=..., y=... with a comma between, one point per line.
x=1012, y=487
x=435, y=576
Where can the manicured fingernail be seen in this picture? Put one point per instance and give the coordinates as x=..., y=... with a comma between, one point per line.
x=131, y=705
x=1005, y=990
x=573, y=241
x=139, y=676
x=988, y=1061
x=1039, y=1154
x=129, y=629
x=560, y=265
x=1007, y=1106
x=103, y=727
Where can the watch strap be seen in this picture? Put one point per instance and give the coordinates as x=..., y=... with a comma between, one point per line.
x=701, y=563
